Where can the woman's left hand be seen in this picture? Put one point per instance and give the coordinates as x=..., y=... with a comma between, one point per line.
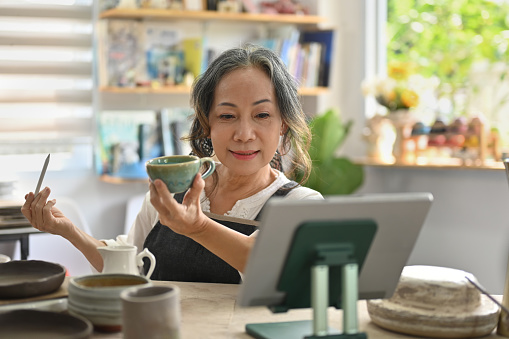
x=186, y=218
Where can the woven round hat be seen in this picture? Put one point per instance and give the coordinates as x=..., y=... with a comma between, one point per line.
x=435, y=302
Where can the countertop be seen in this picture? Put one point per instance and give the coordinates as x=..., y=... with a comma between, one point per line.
x=210, y=311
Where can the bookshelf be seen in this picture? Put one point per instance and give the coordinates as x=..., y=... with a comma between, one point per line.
x=304, y=91
x=146, y=90
x=453, y=164
x=221, y=29
x=166, y=14
x=117, y=180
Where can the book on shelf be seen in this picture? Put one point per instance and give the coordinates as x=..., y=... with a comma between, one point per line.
x=165, y=134
x=307, y=54
x=164, y=59
x=325, y=38
x=148, y=54
x=149, y=142
x=127, y=138
x=313, y=65
x=176, y=132
x=196, y=55
x=273, y=44
x=180, y=125
x=120, y=51
x=289, y=39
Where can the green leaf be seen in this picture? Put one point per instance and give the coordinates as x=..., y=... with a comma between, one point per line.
x=328, y=134
x=337, y=176
x=331, y=175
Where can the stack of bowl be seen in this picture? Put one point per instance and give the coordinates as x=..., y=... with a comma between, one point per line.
x=97, y=298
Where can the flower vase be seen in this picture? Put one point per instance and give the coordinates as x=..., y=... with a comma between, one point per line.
x=402, y=121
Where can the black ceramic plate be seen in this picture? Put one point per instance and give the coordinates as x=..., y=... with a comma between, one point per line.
x=29, y=278
x=26, y=324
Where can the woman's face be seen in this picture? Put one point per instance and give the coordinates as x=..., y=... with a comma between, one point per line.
x=245, y=122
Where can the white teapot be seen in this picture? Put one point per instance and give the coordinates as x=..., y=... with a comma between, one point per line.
x=123, y=259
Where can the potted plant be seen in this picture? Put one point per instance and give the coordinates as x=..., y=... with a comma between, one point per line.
x=331, y=175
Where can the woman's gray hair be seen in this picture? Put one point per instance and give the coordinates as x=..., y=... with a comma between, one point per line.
x=297, y=136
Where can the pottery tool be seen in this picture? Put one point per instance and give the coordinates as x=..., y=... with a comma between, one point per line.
x=488, y=295
x=41, y=177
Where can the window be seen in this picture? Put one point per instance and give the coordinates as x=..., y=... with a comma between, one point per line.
x=46, y=84
x=462, y=48
x=464, y=44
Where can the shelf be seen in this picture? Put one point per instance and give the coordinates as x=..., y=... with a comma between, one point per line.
x=311, y=91
x=186, y=90
x=150, y=13
x=433, y=164
x=147, y=90
x=117, y=180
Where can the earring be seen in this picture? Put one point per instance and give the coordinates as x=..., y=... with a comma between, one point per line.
x=277, y=162
x=206, y=147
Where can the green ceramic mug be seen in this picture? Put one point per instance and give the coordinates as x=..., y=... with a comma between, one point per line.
x=178, y=171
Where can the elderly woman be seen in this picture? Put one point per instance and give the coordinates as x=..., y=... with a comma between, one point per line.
x=247, y=112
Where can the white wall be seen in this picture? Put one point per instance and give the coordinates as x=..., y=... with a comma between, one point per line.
x=347, y=17
x=467, y=227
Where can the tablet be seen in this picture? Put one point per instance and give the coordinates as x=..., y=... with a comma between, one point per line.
x=399, y=218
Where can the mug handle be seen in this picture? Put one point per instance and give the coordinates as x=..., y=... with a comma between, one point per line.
x=211, y=168
x=146, y=254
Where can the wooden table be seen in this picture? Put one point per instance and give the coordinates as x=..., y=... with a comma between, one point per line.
x=209, y=311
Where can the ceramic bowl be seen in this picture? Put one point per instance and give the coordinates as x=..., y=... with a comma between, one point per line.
x=43, y=324
x=29, y=278
x=97, y=298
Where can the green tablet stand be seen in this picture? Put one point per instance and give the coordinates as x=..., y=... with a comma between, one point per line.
x=321, y=270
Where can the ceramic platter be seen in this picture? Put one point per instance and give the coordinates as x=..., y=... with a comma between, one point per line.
x=29, y=278
x=22, y=324
x=54, y=305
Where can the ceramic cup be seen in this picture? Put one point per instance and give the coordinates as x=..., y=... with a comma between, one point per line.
x=4, y=258
x=178, y=171
x=151, y=312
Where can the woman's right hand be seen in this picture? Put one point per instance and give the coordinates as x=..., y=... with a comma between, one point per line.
x=44, y=216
